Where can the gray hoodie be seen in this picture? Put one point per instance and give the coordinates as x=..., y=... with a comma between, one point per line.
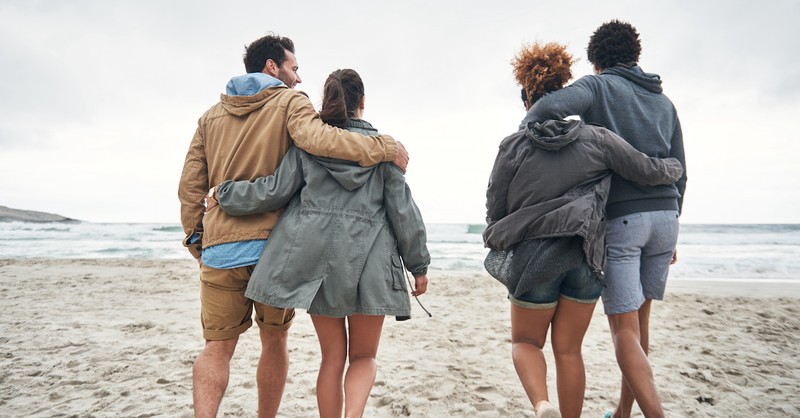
x=631, y=103
x=337, y=249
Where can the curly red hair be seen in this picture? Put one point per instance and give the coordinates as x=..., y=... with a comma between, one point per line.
x=540, y=69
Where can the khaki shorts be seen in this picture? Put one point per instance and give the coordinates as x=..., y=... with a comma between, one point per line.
x=224, y=310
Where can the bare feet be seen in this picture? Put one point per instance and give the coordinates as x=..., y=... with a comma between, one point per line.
x=545, y=409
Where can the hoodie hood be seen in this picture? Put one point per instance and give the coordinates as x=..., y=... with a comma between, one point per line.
x=553, y=135
x=347, y=173
x=635, y=74
x=248, y=93
x=251, y=84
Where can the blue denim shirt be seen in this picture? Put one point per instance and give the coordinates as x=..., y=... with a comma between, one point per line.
x=241, y=253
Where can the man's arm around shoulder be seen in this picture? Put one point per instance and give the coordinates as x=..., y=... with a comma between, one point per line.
x=314, y=136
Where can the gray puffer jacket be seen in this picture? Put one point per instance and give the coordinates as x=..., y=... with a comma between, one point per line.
x=552, y=180
x=337, y=249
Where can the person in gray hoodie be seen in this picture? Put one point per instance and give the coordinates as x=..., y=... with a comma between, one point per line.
x=545, y=205
x=339, y=250
x=642, y=228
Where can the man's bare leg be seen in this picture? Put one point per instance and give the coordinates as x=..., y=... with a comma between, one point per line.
x=273, y=367
x=210, y=376
x=631, y=337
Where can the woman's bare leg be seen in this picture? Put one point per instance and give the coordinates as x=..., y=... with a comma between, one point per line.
x=333, y=345
x=528, y=335
x=570, y=323
x=364, y=336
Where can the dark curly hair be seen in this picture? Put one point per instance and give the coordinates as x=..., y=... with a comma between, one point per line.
x=540, y=69
x=613, y=43
x=341, y=96
x=270, y=47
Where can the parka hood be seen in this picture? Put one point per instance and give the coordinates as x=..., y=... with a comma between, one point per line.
x=349, y=174
x=635, y=74
x=554, y=134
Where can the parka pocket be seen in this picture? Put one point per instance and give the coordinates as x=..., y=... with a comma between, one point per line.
x=397, y=273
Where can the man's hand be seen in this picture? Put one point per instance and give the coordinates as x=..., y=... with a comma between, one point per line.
x=401, y=160
x=674, y=257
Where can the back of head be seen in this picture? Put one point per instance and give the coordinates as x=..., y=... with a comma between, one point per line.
x=540, y=69
x=341, y=97
x=270, y=47
x=613, y=43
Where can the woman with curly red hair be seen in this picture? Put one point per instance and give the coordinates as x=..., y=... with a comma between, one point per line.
x=545, y=209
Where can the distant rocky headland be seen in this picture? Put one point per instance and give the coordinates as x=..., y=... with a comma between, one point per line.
x=10, y=215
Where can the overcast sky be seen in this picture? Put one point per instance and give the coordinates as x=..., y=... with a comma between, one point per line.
x=99, y=100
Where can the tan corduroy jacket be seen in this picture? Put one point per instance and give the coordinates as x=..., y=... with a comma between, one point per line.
x=245, y=137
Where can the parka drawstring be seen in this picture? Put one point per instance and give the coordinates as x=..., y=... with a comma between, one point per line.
x=403, y=265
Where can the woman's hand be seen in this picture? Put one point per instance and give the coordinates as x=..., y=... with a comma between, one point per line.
x=420, y=285
x=210, y=200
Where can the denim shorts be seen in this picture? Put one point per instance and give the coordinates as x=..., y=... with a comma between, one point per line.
x=639, y=249
x=579, y=285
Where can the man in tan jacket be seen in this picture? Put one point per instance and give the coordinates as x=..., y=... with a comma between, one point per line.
x=245, y=136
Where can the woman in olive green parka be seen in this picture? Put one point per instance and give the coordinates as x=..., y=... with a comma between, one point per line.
x=339, y=250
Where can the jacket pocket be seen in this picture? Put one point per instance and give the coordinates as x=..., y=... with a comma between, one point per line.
x=397, y=273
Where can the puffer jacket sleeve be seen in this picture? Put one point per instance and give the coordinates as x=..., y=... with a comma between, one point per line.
x=314, y=136
x=505, y=168
x=192, y=189
x=406, y=221
x=264, y=194
x=676, y=150
x=636, y=166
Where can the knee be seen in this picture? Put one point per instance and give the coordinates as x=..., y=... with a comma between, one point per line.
x=274, y=341
x=625, y=337
x=333, y=361
x=220, y=348
x=523, y=342
x=561, y=349
x=361, y=356
x=275, y=337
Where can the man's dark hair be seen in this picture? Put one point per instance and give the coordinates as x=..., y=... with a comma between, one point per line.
x=613, y=43
x=270, y=47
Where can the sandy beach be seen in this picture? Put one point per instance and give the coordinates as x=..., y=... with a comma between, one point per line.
x=117, y=338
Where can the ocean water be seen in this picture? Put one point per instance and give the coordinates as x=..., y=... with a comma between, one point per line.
x=769, y=252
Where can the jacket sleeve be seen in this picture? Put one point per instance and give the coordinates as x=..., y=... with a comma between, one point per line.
x=406, y=221
x=192, y=189
x=264, y=194
x=314, y=136
x=676, y=151
x=574, y=99
x=504, y=170
x=636, y=166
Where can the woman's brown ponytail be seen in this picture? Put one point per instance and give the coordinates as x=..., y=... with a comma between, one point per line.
x=341, y=97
